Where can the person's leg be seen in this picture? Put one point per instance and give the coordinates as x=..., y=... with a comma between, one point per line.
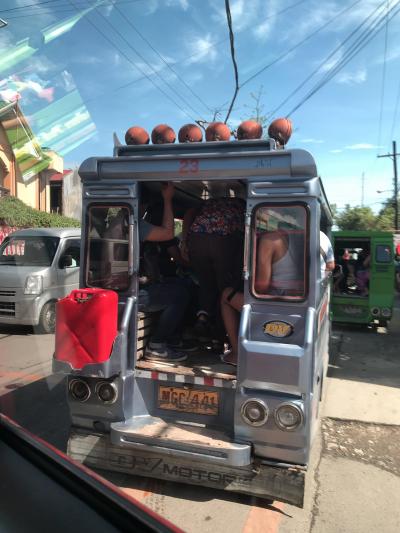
x=231, y=306
x=228, y=264
x=172, y=299
x=200, y=247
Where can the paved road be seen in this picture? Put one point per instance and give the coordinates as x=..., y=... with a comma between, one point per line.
x=354, y=478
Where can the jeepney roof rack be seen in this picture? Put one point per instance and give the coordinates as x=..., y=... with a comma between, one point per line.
x=124, y=150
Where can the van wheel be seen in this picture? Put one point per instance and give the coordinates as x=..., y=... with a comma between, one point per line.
x=47, y=319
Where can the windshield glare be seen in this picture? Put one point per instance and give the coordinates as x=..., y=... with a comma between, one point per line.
x=28, y=251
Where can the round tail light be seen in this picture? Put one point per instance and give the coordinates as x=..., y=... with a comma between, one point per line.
x=254, y=412
x=288, y=416
x=107, y=392
x=79, y=390
x=386, y=312
x=375, y=311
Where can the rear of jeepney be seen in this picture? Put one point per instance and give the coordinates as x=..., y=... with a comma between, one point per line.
x=201, y=424
x=363, y=285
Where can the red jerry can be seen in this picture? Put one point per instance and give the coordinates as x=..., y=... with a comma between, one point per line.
x=86, y=326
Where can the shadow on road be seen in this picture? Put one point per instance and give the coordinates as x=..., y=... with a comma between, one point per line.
x=367, y=354
x=41, y=408
x=8, y=330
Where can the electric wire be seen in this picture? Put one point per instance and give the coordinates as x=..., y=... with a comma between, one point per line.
x=155, y=72
x=163, y=60
x=232, y=47
x=55, y=11
x=38, y=4
x=135, y=65
x=382, y=98
x=396, y=108
x=297, y=45
x=325, y=61
x=362, y=42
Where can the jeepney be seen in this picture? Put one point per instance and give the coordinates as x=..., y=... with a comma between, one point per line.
x=198, y=422
x=363, y=282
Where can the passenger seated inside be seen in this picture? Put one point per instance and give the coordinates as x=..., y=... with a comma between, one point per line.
x=166, y=296
x=352, y=271
x=278, y=269
x=362, y=267
x=280, y=256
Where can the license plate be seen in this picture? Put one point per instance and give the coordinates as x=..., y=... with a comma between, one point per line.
x=188, y=400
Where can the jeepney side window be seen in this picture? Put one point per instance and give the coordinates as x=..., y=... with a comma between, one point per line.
x=108, y=247
x=279, y=252
x=383, y=253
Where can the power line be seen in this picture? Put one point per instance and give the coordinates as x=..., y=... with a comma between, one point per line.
x=28, y=5
x=383, y=75
x=349, y=55
x=297, y=45
x=188, y=104
x=164, y=60
x=42, y=10
x=134, y=64
x=232, y=46
x=396, y=107
x=325, y=61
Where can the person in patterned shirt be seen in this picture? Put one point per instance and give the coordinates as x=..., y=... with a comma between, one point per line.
x=213, y=242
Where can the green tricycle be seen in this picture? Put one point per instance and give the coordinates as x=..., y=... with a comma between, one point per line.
x=363, y=279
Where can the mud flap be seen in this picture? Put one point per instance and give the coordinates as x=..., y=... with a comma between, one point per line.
x=263, y=481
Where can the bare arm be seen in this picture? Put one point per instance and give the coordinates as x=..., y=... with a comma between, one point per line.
x=165, y=232
x=265, y=253
x=330, y=265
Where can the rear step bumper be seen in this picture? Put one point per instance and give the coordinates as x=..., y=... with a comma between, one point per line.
x=256, y=479
x=180, y=440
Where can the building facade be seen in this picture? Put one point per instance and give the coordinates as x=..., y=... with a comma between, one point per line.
x=26, y=169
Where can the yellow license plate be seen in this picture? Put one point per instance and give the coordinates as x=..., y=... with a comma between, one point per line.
x=188, y=400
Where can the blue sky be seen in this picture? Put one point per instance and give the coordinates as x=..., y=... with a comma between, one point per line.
x=84, y=69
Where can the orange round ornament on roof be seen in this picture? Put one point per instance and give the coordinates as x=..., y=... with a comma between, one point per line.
x=280, y=129
x=249, y=129
x=163, y=134
x=218, y=131
x=190, y=133
x=137, y=135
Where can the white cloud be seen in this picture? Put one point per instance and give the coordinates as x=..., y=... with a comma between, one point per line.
x=201, y=50
x=244, y=13
x=352, y=78
x=391, y=55
x=311, y=141
x=318, y=13
x=262, y=31
x=183, y=4
x=362, y=146
x=337, y=151
x=328, y=65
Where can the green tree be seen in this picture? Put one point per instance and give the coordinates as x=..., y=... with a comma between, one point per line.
x=356, y=218
x=385, y=219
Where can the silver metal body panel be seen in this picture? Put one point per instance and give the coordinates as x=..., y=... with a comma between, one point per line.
x=273, y=371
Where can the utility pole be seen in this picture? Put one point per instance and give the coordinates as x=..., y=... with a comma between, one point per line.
x=393, y=156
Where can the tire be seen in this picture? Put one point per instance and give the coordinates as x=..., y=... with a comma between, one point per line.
x=47, y=319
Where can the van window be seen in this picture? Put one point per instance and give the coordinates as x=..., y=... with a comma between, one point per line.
x=383, y=253
x=28, y=251
x=72, y=248
x=279, y=251
x=108, y=247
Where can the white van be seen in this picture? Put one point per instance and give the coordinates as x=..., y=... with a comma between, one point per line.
x=37, y=267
